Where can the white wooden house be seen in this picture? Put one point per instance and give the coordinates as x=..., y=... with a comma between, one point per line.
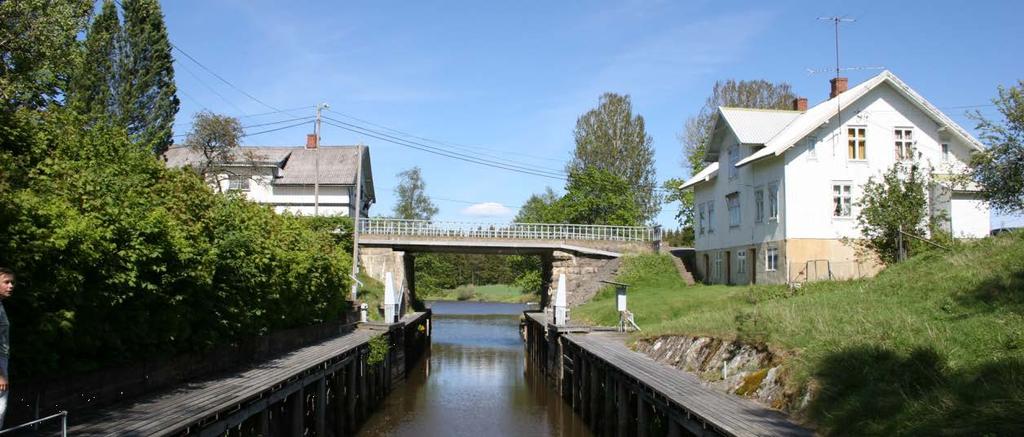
x=778, y=196
x=286, y=177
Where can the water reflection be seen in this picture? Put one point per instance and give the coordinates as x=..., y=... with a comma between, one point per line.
x=474, y=382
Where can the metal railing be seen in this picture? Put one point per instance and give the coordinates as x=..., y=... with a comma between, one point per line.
x=63, y=423
x=522, y=231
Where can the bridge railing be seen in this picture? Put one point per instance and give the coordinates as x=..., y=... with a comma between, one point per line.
x=524, y=231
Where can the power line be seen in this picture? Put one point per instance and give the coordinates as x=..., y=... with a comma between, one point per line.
x=203, y=82
x=448, y=153
x=444, y=143
x=304, y=120
x=434, y=150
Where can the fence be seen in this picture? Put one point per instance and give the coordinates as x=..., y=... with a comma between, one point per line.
x=523, y=231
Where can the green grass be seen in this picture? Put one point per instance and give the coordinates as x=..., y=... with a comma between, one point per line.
x=932, y=346
x=486, y=293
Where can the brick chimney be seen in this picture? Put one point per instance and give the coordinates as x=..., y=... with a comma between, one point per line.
x=800, y=104
x=311, y=141
x=839, y=85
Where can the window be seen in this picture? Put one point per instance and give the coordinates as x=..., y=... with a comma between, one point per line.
x=718, y=266
x=945, y=152
x=858, y=143
x=771, y=259
x=773, y=201
x=733, y=203
x=734, y=157
x=812, y=148
x=904, y=143
x=759, y=206
x=841, y=200
x=700, y=217
x=239, y=183
x=711, y=217
x=741, y=262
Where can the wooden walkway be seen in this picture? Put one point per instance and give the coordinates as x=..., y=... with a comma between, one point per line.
x=189, y=406
x=731, y=415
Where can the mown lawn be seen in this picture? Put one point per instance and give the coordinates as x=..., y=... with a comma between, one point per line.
x=934, y=346
x=486, y=293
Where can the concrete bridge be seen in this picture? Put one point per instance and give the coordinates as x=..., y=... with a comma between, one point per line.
x=584, y=253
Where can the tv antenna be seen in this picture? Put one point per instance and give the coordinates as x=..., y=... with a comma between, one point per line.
x=837, y=20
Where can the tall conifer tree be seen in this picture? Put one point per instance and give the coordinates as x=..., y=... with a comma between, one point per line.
x=95, y=84
x=148, y=98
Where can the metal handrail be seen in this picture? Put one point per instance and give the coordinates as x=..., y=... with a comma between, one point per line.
x=530, y=231
x=63, y=423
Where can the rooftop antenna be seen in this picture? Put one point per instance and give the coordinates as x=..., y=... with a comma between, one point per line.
x=836, y=20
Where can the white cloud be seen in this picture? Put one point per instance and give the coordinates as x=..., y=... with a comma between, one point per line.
x=487, y=209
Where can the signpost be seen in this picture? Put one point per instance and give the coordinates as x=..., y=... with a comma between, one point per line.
x=625, y=317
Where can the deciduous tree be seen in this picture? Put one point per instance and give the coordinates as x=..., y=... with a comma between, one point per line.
x=215, y=138
x=613, y=139
x=1000, y=169
x=413, y=203
x=893, y=204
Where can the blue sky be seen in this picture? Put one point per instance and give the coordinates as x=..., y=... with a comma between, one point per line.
x=508, y=79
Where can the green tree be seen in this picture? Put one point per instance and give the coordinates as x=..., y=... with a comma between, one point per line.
x=896, y=203
x=611, y=138
x=413, y=202
x=38, y=47
x=215, y=138
x=756, y=94
x=94, y=86
x=599, y=197
x=1000, y=169
x=540, y=208
x=147, y=94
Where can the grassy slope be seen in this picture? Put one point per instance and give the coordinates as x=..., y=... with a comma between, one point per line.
x=932, y=346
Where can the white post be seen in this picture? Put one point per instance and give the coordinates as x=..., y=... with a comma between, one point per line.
x=560, y=318
x=362, y=312
x=389, y=298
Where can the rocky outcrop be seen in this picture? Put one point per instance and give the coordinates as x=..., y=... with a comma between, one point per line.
x=731, y=366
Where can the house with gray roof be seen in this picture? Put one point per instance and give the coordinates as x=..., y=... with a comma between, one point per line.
x=307, y=180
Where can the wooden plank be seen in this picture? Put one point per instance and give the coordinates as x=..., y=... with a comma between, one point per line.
x=178, y=409
x=731, y=414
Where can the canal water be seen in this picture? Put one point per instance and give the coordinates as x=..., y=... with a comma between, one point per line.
x=474, y=382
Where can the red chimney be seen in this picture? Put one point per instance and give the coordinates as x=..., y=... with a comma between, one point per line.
x=839, y=85
x=311, y=141
x=800, y=104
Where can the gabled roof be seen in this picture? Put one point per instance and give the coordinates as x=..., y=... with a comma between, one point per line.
x=297, y=165
x=706, y=174
x=821, y=113
x=756, y=126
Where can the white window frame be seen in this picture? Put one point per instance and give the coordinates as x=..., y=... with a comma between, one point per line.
x=734, y=158
x=759, y=205
x=771, y=259
x=859, y=143
x=945, y=152
x=711, y=216
x=741, y=262
x=903, y=140
x=844, y=197
x=812, y=148
x=700, y=217
x=238, y=183
x=732, y=202
x=773, y=201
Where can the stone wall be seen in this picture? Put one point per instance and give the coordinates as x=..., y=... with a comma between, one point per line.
x=582, y=275
x=730, y=366
x=375, y=262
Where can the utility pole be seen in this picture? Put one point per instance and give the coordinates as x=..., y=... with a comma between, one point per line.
x=358, y=209
x=316, y=178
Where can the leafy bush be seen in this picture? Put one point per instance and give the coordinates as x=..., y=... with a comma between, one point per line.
x=119, y=258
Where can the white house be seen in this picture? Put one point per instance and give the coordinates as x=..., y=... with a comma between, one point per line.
x=286, y=177
x=777, y=199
